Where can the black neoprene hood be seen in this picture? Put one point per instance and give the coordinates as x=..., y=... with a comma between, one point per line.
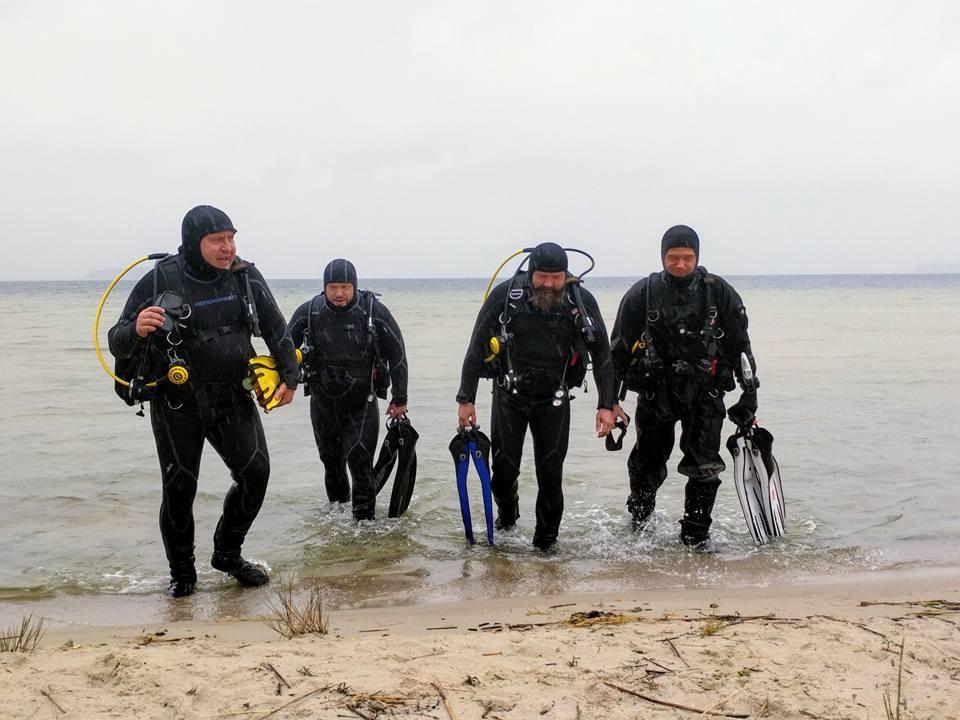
x=197, y=224
x=680, y=236
x=340, y=271
x=548, y=257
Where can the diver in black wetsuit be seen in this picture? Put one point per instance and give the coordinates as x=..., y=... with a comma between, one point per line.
x=352, y=349
x=228, y=301
x=541, y=357
x=677, y=342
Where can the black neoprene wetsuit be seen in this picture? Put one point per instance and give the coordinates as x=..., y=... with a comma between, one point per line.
x=697, y=366
x=212, y=405
x=544, y=355
x=343, y=407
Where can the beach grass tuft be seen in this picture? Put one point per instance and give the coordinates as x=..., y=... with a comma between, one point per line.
x=23, y=638
x=294, y=613
x=893, y=710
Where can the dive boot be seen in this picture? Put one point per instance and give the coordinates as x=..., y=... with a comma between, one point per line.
x=507, y=517
x=641, y=507
x=697, y=508
x=182, y=584
x=246, y=573
x=183, y=572
x=545, y=542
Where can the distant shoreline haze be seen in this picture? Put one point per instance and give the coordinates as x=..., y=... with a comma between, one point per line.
x=108, y=275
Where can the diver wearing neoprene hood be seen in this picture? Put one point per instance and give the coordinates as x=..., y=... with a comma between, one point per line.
x=677, y=342
x=352, y=350
x=204, y=334
x=535, y=335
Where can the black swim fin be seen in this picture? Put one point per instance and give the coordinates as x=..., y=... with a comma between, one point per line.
x=387, y=458
x=406, y=467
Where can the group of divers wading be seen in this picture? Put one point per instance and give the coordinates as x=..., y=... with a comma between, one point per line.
x=680, y=342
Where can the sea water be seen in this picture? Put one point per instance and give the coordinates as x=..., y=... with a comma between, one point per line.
x=858, y=386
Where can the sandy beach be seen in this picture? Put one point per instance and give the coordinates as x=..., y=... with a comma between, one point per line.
x=800, y=651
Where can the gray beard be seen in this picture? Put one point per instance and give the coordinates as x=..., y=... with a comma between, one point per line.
x=546, y=299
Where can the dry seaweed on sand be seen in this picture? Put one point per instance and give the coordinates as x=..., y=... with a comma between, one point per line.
x=597, y=617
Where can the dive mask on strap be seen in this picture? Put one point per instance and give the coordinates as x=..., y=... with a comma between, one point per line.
x=264, y=379
x=617, y=444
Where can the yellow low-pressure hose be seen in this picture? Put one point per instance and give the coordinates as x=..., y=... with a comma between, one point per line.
x=96, y=321
x=494, y=278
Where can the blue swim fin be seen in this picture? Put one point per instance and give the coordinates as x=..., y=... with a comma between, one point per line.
x=470, y=443
x=458, y=449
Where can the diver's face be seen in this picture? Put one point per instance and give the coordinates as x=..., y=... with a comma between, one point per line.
x=547, y=289
x=218, y=249
x=680, y=262
x=549, y=280
x=339, y=294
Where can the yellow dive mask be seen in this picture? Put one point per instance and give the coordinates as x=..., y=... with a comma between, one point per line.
x=264, y=379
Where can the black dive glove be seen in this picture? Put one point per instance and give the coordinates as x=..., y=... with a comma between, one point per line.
x=744, y=410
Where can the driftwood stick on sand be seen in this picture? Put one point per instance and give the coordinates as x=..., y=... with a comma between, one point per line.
x=939, y=604
x=662, y=667
x=850, y=622
x=678, y=706
x=295, y=700
x=443, y=696
x=356, y=712
x=46, y=693
x=676, y=652
x=721, y=703
x=281, y=678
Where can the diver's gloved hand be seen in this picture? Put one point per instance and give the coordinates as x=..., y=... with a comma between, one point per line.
x=744, y=410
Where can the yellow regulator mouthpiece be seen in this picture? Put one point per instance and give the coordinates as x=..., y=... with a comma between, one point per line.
x=264, y=379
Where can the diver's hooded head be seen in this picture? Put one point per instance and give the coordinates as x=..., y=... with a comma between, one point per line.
x=548, y=257
x=340, y=271
x=681, y=236
x=197, y=224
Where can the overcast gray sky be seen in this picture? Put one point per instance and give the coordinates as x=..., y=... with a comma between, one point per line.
x=433, y=138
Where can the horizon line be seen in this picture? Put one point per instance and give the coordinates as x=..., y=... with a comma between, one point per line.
x=480, y=277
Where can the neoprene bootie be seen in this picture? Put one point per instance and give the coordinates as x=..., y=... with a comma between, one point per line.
x=183, y=583
x=507, y=516
x=697, y=508
x=245, y=572
x=183, y=572
x=641, y=508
